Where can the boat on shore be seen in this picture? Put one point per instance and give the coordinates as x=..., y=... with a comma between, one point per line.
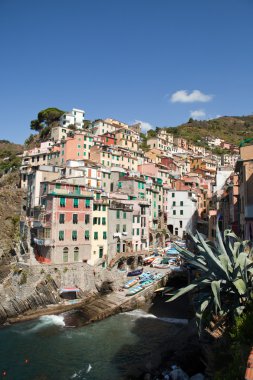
x=131, y=283
x=135, y=272
x=134, y=290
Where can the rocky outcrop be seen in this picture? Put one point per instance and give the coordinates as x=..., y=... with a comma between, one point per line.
x=10, y=205
x=29, y=288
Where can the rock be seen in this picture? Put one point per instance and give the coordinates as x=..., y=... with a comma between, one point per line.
x=198, y=376
x=178, y=374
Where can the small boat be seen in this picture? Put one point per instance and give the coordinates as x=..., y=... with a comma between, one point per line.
x=147, y=283
x=134, y=290
x=136, y=272
x=161, y=266
x=148, y=260
x=131, y=283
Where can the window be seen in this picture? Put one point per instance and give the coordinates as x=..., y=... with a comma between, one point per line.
x=174, y=212
x=101, y=252
x=87, y=235
x=118, y=247
x=75, y=202
x=62, y=202
x=133, y=231
x=65, y=255
x=117, y=227
x=84, y=145
x=104, y=221
x=124, y=215
x=104, y=235
x=58, y=186
x=180, y=224
x=173, y=195
x=118, y=214
x=138, y=231
x=61, y=235
x=176, y=231
x=87, y=219
x=62, y=218
x=181, y=203
x=74, y=235
x=120, y=185
x=181, y=212
x=76, y=254
x=173, y=203
x=75, y=218
x=103, y=208
x=95, y=235
x=124, y=228
x=87, y=203
x=97, y=196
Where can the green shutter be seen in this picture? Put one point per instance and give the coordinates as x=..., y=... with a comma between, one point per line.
x=87, y=235
x=62, y=202
x=103, y=220
x=87, y=203
x=75, y=203
x=124, y=215
x=95, y=235
x=104, y=235
x=61, y=235
x=74, y=235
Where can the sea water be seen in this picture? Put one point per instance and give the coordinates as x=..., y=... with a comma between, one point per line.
x=59, y=347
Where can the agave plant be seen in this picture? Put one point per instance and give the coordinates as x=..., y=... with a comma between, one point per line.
x=226, y=275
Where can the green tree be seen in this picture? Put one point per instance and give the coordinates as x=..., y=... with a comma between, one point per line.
x=45, y=118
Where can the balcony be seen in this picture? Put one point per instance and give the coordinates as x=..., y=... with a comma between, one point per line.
x=101, y=202
x=120, y=206
x=68, y=193
x=44, y=242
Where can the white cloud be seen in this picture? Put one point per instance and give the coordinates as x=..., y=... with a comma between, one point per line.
x=183, y=96
x=145, y=126
x=198, y=114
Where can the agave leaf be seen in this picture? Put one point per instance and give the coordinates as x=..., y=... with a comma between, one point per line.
x=184, y=251
x=215, y=285
x=240, y=286
x=198, y=265
x=220, y=241
x=240, y=261
x=213, y=258
x=183, y=291
x=226, y=263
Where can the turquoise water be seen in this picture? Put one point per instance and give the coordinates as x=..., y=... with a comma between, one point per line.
x=60, y=347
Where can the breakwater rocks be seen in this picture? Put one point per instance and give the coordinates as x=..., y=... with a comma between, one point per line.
x=25, y=289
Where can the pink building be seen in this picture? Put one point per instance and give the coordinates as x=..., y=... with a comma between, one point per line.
x=63, y=223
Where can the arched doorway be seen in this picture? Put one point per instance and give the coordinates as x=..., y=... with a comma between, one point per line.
x=171, y=229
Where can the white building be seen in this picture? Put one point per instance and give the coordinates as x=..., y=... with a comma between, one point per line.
x=75, y=117
x=229, y=159
x=182, y=212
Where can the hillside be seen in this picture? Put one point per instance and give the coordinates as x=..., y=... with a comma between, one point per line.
x=232, y=129
x=9, y=159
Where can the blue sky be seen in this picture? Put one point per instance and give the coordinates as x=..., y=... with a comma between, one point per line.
x=124, y=59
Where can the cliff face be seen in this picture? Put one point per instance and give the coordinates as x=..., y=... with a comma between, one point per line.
x=28, y=288
x=10, y=206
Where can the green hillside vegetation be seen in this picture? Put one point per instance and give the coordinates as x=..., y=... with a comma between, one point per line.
x=9, y=160
x=232, y=129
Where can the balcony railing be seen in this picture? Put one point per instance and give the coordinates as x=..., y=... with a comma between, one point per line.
x=44, y=242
